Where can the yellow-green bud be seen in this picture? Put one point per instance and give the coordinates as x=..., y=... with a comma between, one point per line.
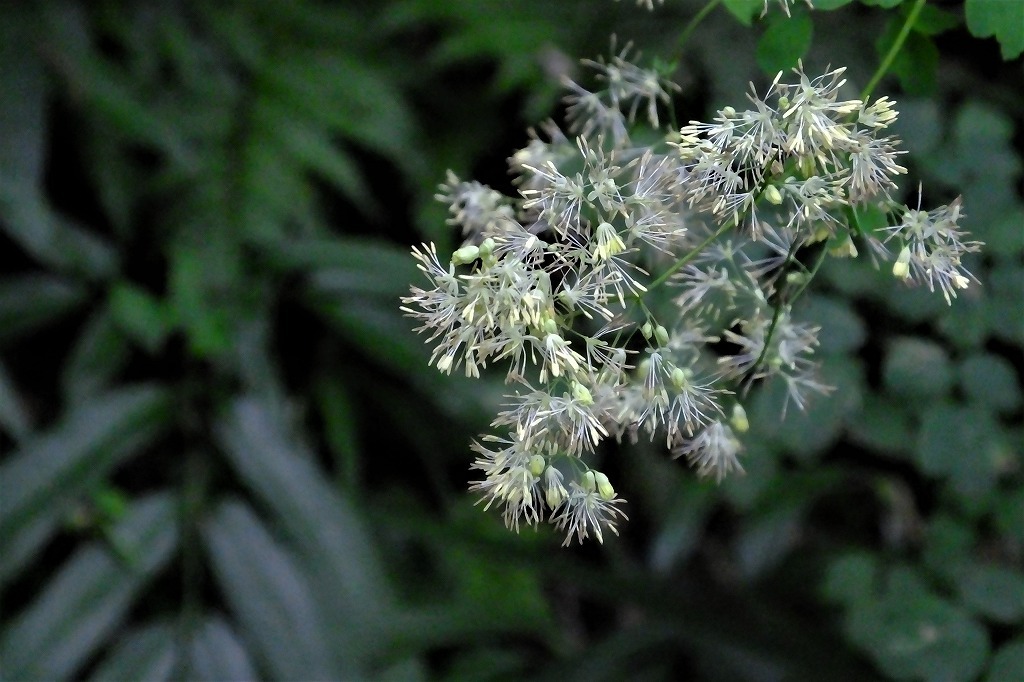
x=647, y=330
x=550, y=326
x=739, y=419
x=604, y=487
x=773, y=195
x=582, y=394
x=537, y=465
x=661, y=335
x=901, y=268
x=588, y=483
x=467, y=254
x=845, y=250
x=728, y=112
x=643, y=369
x=555, y=493
x=679, y=377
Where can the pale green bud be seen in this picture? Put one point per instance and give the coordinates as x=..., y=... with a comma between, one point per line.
x=487, y=247
x=647, y=330
x=537, y=465
x=729, y=112
x=604, y=487
x=679, y=377
x=554, y=493
x=643, y=369
x=773, y=195
x=901, y=268
x=467, y=254
x=581, y=393
x=550, y=326
x=588, y=483
x=845, y=250
x=739, y=419
x=661, y=335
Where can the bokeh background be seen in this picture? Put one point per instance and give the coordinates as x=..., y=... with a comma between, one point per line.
x=224, y=456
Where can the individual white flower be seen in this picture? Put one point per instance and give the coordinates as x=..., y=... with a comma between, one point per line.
x=588, y=510
x=714, y=451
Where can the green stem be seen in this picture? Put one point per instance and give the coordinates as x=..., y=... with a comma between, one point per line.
x=688, y=257
x=777, y=315
x=694, y=23
x=894, y=49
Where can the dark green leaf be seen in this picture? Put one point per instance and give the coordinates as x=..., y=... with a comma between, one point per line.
x=328, y=534
x=994, y=592
x=50, y=472
x=216, y=654
x=272, y=599
x=99, y=353
x=914, y=367
x=28, y=302
x=999, y=18
x=141, y=316
x=86, y=601
x=146, y=653
x=1008, y=663
x=784, y=43
x=990, y=380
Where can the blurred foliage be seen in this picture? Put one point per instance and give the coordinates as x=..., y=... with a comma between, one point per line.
x=224, y=455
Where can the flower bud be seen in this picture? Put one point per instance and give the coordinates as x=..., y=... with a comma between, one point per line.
x=901, y=268
x=604, y=486
x=582, y=394
x=537, y=465
x=739, y=419
x=467, y=254
x=680, y=377
x=647, y=330
x=773, y=195
x=661, y=335
x=588, y=483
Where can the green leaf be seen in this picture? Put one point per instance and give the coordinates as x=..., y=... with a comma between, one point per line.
x=327, y=533
x=146, y=653
x=911, y=633
x=828, y=5
x=915, y=367
x=851, y=578
x=85, y=602
x=842, y=330
x=49, y=473
x=884, y=4
x=916, y=64
x=994, y=592
x=23, y=126
x=273, y=601
x=948, y=544
x=141, y=316
x=963, y=444
x=28, y=302
x=99, y=353
x=215, y=653
x=1008, y=663
x=933, y=20
x=991, y=380
x=51, y=238
x=785, y=41
x=999, y=18
x=744, y=10
x=205, y=320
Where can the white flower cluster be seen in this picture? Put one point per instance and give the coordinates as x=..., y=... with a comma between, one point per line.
x=555, y=284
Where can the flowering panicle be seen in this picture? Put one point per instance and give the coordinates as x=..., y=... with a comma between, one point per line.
x=557, y=284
